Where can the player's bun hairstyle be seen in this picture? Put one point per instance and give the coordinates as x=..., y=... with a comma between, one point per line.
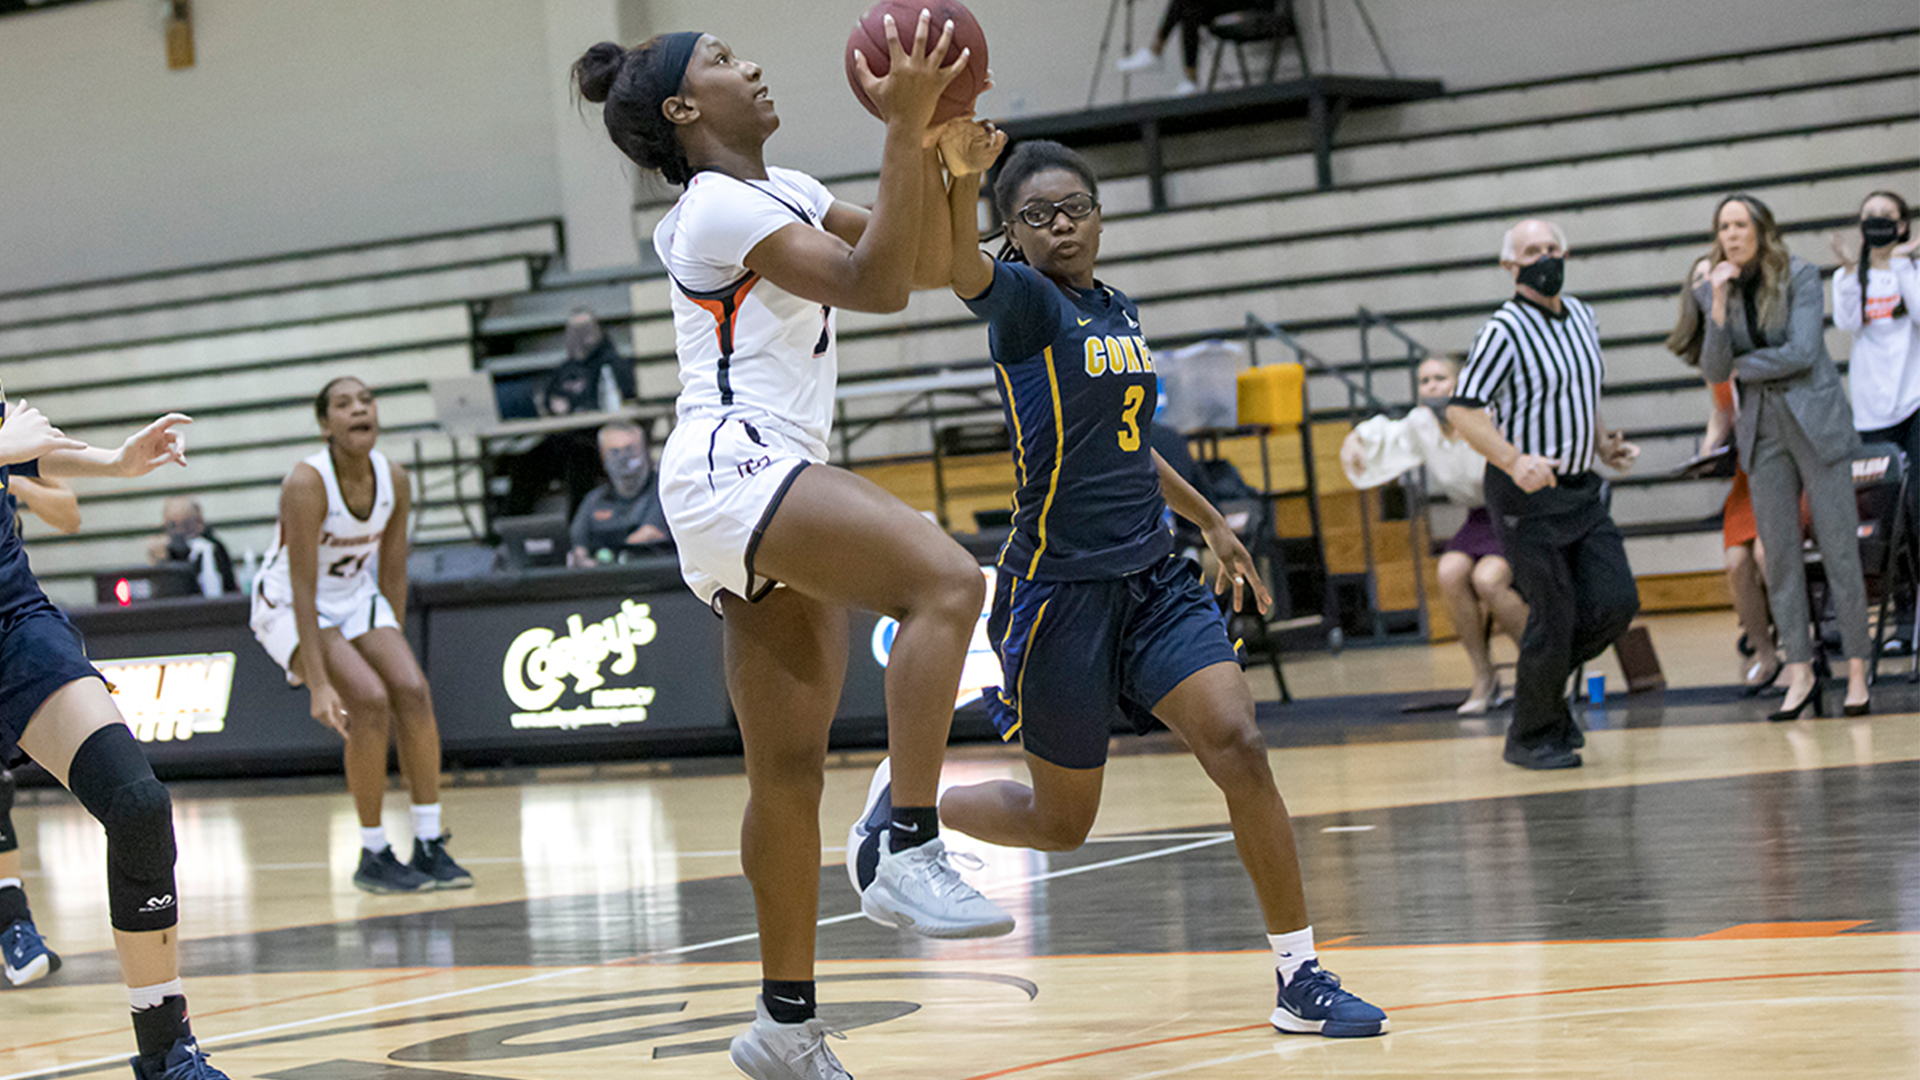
x=325, y=396
x=1028, y=160
x=631, y=83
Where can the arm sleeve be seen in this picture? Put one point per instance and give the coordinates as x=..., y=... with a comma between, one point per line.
x=1846, y=301
x=30, y=469
x=1019, y=307
x=725, y=221
x=1716, y=343
x=1806, y=329
x=1908, y=274
x=1389, y=448
x=577, y=528
x=1488, y=368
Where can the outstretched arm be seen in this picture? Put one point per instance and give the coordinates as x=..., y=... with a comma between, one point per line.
x=145, y=450
x=1235, y=564
x=875, y=274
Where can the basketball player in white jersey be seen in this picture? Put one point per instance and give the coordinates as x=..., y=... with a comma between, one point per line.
x=761, y=258
x=329, y=605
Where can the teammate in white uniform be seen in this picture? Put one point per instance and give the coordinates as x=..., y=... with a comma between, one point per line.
x=761, y=258
x=328, y=606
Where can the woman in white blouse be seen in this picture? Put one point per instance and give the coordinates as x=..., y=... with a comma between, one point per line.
x=1474, y=576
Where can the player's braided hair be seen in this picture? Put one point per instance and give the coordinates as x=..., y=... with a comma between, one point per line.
x=1866, y=260
x=628, y=82
x=1027, y=161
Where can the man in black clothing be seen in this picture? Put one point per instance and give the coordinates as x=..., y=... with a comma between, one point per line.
x=189, y=539
x=624, y=513
x=1529, y=402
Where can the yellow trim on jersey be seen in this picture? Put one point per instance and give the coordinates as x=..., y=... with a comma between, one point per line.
x=1020, y=452
x=1059, y=453
x=1020, y=684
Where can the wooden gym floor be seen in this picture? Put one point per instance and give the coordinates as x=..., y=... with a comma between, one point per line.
x=1711, y=896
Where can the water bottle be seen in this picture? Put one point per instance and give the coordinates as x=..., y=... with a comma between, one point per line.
x=249, y=569
x=609, y=390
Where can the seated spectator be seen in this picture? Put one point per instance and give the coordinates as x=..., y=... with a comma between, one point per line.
x=1190, y=16
x=52, y=501
x=189, y=539
x=1475, y=578
x=624, y=513
x=593, y=378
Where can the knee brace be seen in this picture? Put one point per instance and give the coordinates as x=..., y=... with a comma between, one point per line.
x=111, y=778
x=9, y=840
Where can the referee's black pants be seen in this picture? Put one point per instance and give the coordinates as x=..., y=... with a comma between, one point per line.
x=1570, y=566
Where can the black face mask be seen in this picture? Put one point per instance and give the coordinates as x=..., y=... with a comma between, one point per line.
x=1438, y=405
x=1544, y=275
x=1880, y=231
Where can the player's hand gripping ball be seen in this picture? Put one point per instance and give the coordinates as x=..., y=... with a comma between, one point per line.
x=870, y=37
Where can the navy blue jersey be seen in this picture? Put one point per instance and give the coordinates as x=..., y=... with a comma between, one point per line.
x=1077, y=381
x=18, y=589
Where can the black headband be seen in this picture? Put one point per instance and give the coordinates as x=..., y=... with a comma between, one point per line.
x=676, y=52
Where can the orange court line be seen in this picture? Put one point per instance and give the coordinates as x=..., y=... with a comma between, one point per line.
x=1754, y=931
x=1030, y=1066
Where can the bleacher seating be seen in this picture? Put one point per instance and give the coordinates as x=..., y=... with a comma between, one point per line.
x=243, y=347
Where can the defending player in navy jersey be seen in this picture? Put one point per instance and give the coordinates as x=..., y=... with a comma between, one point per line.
x=1092, y=613
x=55, y=709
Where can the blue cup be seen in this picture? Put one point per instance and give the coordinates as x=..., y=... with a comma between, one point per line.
x=1596, y=688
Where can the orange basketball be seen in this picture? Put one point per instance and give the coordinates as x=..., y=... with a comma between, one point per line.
x=870, y=37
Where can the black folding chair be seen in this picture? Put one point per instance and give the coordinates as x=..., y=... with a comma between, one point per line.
x=1888, y=557
x=1271, y=21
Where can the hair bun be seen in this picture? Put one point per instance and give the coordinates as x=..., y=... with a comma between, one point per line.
x=597, y=69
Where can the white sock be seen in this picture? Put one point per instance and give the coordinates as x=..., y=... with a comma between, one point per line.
x=11, y=883
x=373, y=838
x=1290, y=951
x=143, y=998
x=426, y=821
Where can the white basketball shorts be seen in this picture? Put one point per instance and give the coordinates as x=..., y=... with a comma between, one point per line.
x=721, y=479
x=273, y=623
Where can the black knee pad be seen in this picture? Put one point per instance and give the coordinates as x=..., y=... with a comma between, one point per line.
x=111, y=778
x=9, y=840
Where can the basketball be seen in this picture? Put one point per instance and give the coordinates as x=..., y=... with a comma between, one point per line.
x=870, y=37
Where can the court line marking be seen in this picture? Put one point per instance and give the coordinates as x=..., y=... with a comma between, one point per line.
x=271, y=1029
x=1084, y=1055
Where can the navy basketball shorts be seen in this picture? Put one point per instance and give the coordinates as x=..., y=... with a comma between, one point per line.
x=40, y=652
x=1076, y=655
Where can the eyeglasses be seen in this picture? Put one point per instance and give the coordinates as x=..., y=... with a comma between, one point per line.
x=1039, y=215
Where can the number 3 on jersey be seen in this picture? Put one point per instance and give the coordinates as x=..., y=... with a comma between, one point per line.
x=352, y=564
x=1130, y=416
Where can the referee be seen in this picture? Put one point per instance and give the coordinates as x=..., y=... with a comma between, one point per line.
x=1529, y=402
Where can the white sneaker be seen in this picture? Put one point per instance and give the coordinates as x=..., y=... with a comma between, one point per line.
x=1140, y=59
x=1186, y=88
x=773, y=1051
x=919, y=890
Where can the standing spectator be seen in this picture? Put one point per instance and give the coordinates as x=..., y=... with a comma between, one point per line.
x=1474, y=575
x=1877, y=300
x=1190, y=16
x=1766, y=328
x=189, y=539
x=624, y=512
x=1529, y=402
x=1739, y=536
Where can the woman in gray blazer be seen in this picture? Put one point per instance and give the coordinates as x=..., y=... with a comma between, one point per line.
x=1765, y=329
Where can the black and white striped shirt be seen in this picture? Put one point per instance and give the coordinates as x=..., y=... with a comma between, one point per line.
x=1539, y=374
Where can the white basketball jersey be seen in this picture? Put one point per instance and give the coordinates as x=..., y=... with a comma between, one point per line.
x=746, y=346
x=349, y=546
